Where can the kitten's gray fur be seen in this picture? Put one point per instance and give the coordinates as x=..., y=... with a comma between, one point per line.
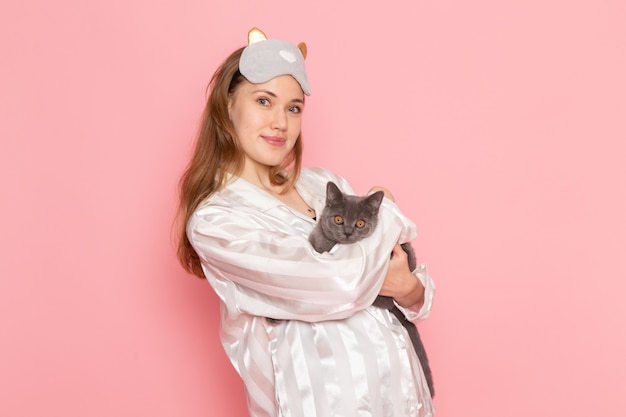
x=348, y=219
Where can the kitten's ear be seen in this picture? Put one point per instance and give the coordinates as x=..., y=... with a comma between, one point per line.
x=333, y=193
x=373, y=201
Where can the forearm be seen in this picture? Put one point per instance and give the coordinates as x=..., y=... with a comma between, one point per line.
x=412, y=295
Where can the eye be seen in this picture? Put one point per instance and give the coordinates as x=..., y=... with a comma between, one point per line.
x=360, y=224
x=295, y=109
x=338, y=220
x=263, y=101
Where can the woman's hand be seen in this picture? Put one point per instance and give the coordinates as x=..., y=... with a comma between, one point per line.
x=383, y=189
x=400, y=283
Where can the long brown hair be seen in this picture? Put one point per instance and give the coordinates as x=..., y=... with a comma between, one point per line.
x=216, y=154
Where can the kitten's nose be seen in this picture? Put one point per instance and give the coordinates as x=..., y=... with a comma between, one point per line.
x=348, y=231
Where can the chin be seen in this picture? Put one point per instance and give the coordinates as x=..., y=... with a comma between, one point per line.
x=274, y=162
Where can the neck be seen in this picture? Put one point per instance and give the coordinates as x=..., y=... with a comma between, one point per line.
x=260, y=176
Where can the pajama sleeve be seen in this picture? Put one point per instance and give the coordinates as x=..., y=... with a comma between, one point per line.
x=260, y=265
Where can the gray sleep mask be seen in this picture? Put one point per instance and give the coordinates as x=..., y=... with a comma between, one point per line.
x=264, y=59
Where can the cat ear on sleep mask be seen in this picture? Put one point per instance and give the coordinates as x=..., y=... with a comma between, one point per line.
x=264, y=59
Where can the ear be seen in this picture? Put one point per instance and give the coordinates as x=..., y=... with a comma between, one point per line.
x=333, y=193
x=302, y=48
x=373, y=201
x=256, y=35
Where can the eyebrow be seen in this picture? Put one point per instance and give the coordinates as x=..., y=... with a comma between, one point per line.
x=271, y=93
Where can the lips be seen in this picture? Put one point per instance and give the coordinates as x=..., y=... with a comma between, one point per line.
x=274, y=140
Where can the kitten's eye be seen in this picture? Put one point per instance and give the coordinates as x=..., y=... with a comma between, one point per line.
x=360, y=224
x=338, y=220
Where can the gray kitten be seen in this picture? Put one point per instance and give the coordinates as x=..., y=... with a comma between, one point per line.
x=348, y=219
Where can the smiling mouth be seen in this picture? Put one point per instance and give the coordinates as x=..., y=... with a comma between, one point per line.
x=274, y=140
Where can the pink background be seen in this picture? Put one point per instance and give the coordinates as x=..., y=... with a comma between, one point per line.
x=498, y=125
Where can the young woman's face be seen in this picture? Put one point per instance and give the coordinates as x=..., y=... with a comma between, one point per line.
x=267, y=119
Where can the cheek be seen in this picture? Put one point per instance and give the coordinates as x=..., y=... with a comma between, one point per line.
x=295, y=127
x=241, y=121
x=241, y=116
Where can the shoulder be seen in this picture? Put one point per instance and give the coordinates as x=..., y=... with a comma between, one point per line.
x=223, y=218
x=233, y=203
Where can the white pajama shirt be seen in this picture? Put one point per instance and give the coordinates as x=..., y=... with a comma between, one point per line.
x=330, y=354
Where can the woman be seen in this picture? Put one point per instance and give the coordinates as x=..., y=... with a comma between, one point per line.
x=247, y=210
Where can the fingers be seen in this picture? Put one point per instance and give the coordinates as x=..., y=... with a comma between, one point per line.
x=398, y=252
x=399, y=282
x=383, y=189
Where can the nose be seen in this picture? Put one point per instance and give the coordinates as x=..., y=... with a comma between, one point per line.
x=279, y=121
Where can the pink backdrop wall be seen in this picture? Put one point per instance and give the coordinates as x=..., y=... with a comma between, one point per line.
x=498, y=125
